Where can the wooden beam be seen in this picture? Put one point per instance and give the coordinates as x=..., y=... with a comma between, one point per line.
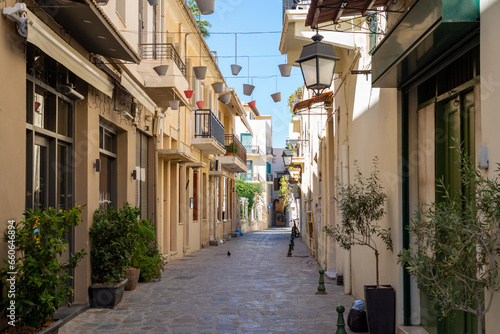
x=339, y=13
x=370, y=5
x=314, y=23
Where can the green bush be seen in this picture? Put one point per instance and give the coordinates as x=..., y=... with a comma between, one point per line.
x=113, y=234
x=40, y=282
x=147, y=254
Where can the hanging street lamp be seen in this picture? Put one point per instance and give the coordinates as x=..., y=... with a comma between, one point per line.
x=287, y=157
x=317, y=63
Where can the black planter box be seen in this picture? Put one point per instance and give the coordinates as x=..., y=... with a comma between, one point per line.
x=106, y=296
x=380, y=309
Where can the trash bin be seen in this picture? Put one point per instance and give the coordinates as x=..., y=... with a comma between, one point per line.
x=356, y=320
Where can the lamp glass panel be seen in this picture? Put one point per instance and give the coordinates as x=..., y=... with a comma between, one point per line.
x=326, y=68
x=308, y=68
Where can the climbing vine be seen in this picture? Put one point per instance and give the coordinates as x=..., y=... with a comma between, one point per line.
x=284, y=192
x=248, y=190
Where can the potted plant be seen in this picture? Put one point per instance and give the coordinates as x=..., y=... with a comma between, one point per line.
x=113, y=234
x=231, y=149
x=454, y=255
x=35, y=245
x=361, y=206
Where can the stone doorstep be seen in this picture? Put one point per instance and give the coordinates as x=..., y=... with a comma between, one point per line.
x=235, y=235
x=214, y=242
x=411, y=330
x=331, y=274
x=66, y=313
x=227, y=238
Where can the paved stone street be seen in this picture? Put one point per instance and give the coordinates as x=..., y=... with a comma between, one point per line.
x=258, y=289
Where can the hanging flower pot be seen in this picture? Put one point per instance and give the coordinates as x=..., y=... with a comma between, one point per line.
x=161, y=70
x=248, y=89
x=251, y=104
x=174, y=105
x=225, y=98
x=200, y=104
x=276, y=96
x=188, y=93
x=153, y=2
x=285, y=69
x=206, y=6
x=218, y=87
x=235, y=69
x=200, y=72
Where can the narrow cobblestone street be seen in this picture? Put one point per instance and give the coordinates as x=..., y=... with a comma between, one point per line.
x=258, y=289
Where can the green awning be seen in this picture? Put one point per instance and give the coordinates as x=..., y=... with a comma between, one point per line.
x=425, y=34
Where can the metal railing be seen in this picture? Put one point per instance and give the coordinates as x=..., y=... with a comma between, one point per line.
x=161, y=51
x=234, y=146
x=251, y=177
x=254, y=149
x=269, y=150
x=295, y=4
x=208, y=126
x=270, y=177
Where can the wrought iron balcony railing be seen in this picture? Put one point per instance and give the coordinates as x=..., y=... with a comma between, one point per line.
x=161, y=51
x=251, y=177
x=208, y=126
x=295, y=4
x=235, y=147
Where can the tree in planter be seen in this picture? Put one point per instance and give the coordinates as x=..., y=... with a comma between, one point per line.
x=361, y=205
x=40, y=282
x=455, y=246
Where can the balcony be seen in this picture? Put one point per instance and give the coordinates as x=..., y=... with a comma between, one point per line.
x=181, y=153
x=269, y=151
x=155, y=54
x=251, y=177
x=208, y=132
x=270, y=177
x=295, y=4
x=253, y=150
x=235, y=159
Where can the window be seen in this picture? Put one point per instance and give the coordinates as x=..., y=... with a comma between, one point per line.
x=120, y=10
x=141, y=179
x=224, y=199
x=108, y=173
x=195, y=196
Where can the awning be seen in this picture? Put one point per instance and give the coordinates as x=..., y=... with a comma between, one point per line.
x=323, y=11
x=307, y=104
x=49, y=42
x=137, y=92
x=426, y=34
x=175, y=155
x=88, y=24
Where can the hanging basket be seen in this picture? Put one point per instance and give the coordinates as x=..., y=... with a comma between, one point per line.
x=218, y=87
x=200, y=72
x=235, y=69
x=206, y=6
x=153, y=2
x=248, y=89
x=225, y=98
x=174, y=105
x=188, y=93
x=200, y=104
x=276, y=96
x=285, y=69
x=251, y=104
x=161, y=70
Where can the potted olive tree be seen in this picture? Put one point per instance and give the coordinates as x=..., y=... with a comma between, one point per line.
x=454, y=255
x=113, y=234
x=361, y=206
x=35, y=275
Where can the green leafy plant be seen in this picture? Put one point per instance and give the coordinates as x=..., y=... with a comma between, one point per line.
x=361, y=206
x=453, y=257
x=147, y=255
x=294, y=98
x=248, y=190
x=284, y=191
x=232, y=148
x=113, y=234
x=41, y=275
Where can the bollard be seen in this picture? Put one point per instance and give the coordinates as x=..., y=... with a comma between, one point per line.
x=292, y=243
x=340, y=320
x=321, y=285
x=289, y=251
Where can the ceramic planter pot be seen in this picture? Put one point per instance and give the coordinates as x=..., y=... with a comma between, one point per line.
x=285, y=69
x=174, y=105
x=153, y=2
x=106, y=296
x=200, y=72
x=248, y=89
x=251, y=104
x=380, y=309
x=225, y=98
x=235, y=69
x=188, y=93
x=132, y=276
x=276, y=96
x=218, y=87
x=206, y=6
x=161, y=70
x=200, y=104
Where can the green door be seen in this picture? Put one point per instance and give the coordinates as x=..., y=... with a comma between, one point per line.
x=454, y=128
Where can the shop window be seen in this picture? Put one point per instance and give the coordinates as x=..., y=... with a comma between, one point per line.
x=141, y=169
x=108, y=173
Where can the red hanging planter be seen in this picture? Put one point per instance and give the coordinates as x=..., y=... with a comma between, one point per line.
x=188, y=93
x=200, y=104
x=251, y=104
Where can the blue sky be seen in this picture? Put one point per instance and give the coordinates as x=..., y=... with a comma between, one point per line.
x=261, y=50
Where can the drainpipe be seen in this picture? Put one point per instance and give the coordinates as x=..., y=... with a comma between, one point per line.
x=347, y=253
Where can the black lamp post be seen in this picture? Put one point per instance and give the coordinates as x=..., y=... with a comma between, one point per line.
x=317, y=63
x=287, y=157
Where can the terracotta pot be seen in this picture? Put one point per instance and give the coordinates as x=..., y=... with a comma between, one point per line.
x=174, y=105
x=235, y=69
x=251, y=104
x=200, y=72
x=161, y=70
x=206, y=6
x=132, y=275
x=225, y=98
x=218, y=86
x=276, y=96
x=248, y=89
x=188, y=93
x=285, y=69
x=200, y=104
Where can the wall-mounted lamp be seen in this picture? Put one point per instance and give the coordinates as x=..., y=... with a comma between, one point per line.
x=97, y=165
x=134, y=174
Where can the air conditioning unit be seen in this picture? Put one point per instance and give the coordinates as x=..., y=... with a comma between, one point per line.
x=255, y=150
